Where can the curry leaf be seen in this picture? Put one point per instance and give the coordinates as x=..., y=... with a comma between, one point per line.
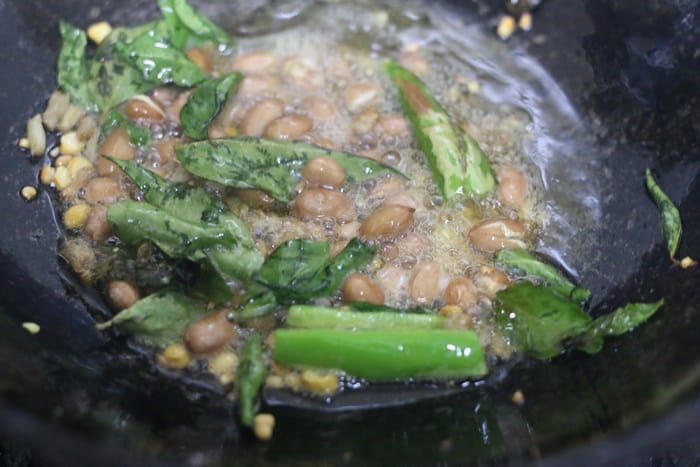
x=159, y=319
x=258, y=301
x=354, y=256
x=186, y=24
x=210, y=286
x=670, y=217
x=293, y=265
x=536, y=320
x=134, y=222
x=73, y=76
x=178, y=33
x=159, y=61
x=526, y=262
x=622, y=320
x=205, y=103
x=189, y=203
x=269, y=165
x=301, y=269
x=139, y=135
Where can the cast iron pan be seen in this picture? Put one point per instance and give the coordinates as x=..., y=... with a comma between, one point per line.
x=69, y=396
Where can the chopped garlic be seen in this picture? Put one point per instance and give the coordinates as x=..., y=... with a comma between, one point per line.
x=506, y=27
x=78, y=164
x=71, y=144
x=263, y=426
x=36, y=136
x=46, y=175
x=224, y=365
x=97, y=32
x=174, y=356
x=75, y=216
x=525, y=21
x=62, y=178
x=31, y=328
x=28, y=193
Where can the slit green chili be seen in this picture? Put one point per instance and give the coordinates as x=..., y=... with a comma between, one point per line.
x=455, y=172
x=383, y=355
x=311, y=316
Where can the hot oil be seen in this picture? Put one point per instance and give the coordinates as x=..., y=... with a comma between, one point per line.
x=499, y=95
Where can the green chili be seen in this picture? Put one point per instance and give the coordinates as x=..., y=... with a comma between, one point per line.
x=383, y=355
x=251, y=375
x=310, y=316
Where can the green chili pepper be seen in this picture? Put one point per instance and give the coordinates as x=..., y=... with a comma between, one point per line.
x=454, y=172
x=383, y=355
x=251, y=375
x=310, y=316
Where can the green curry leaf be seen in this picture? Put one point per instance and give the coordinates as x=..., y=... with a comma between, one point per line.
x=269, y=165
x=302, y=269
x=139, y=135
x=670, y=216
x=159, y=61
x=536, y=320
x=135, y=222
x=73, y=76
x=205, y=103
x=526, y=262
x=186, y=25
x=620, y=321
x=159, y=319
x=189, y=203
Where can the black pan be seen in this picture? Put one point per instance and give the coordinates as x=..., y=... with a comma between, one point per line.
x=68, y=396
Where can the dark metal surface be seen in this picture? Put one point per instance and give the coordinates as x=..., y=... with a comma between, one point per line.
x=629, y=67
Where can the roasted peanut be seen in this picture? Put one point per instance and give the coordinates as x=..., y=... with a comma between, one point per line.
x=365, y=121
x=387, y=222
x=259, y=84
x=402, y=198
x=210, y=333
x=102, y=190
x=118, y=146
x=320, y=109
x=96, y=227
x=260, y=116
x=254, y=62
x=324, y=171
x=360, y=288
x=255, y=198
x=512, y=187
x=121, y=294
x=392, y=125
x=358, y=96
x=424, y=284
x=317, y=203
x=173, y=111
x=143, y=108
x=303, y=73
x=462, y=292
x=166, y=150
x=200, y=57
x=491, y=280
x=289, y=127
x=495, y=234
x=414, y=61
